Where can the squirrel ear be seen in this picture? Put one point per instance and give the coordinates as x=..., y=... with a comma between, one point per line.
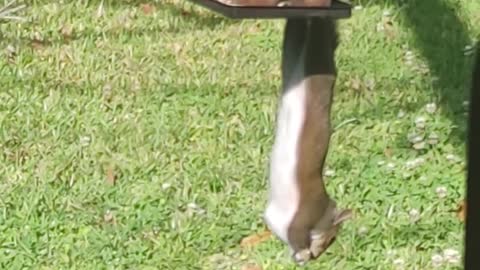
x=342, y=215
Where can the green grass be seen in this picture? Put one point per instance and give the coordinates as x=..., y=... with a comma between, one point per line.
x=181, y=104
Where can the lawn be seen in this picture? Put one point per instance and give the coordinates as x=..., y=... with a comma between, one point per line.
x=137, y=136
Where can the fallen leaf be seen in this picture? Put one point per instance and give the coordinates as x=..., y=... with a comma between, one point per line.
x=370, y=84
x=37, y=44
x=355, y=83
x=111, y=178
x=136, y=85
x=66, y=55
x=11, y=53
x=251, y=267
x=147, y=9
x=388, y=152
x=255, y=239
x=177, y=48
x=419, y=146
x=109, y=218
x=66, y=31
x=389, y=29
x=462, y=210
x=107, y=92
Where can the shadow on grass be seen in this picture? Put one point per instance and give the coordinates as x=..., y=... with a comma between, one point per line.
x=440, y=37
x=408, y=234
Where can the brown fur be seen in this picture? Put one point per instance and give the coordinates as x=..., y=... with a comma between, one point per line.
x=319, y=77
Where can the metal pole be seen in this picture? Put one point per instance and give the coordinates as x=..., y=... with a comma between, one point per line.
x=472, y=241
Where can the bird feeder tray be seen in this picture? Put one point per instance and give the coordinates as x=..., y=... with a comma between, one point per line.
x=277, y=9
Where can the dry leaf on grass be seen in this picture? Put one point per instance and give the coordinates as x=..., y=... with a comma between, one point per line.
x=251, y=267
x=147, y=9
x=107, y=92
x=185, y=13
x=388, y=152
x=389, y=29
x=110, y=175
x=37, y=44
x=255, y=239
x=67, y=31
x=354, y=83
x=109, y=218
x=11, y=54
x=462, y=211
